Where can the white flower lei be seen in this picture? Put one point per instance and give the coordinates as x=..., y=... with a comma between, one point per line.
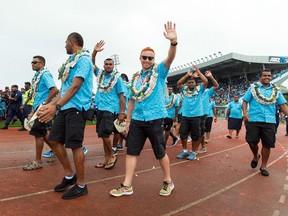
x=109, y=86
x=70, y=63
x=36, y=80
x=145, y=90
x=256, y=93
x=171, y=102
x=189, y=93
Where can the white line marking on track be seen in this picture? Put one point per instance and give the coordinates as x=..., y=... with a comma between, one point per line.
x=282, y=199
x=218, y=192
x=114, y=177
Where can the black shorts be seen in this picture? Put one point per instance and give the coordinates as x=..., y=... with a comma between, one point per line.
x=190, y=126
x=38, y=129
x=68, y=128
x=234, y=124
x=179, y=116
x=208, y=124
x=139, y=131
x=168, y=122
x=260, y=130
x=105, y=123
x=203, y=123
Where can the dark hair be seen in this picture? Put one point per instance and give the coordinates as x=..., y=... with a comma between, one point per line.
x=41, y=58
x=109, y=59
x=27, y=83
x=190, y=78
x=124, y=77
x=14, y=86
x=265, y=70
x=77, y=38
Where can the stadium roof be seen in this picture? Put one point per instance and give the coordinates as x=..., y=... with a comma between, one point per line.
x=232, y=64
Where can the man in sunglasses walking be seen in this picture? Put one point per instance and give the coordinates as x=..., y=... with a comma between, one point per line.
x=43, y=90
x=146, y=110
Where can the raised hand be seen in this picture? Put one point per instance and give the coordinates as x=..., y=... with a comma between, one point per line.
x=170, y=31
x=99, y=46
x=208, y=73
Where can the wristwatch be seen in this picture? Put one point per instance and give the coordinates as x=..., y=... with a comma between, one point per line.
x=58, y=106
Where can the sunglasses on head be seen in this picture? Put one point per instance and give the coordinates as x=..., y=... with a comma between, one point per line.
x=150, y=58
x=35, y=62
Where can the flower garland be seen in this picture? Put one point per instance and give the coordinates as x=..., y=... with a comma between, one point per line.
x=147, y=86
x=70, y=63
x=171, y=102
x=110, y=84
x=189, y=93
x=256, y=93
x=35, y=81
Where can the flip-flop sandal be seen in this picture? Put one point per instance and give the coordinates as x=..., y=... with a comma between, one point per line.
x=255, y=163
x=111, y=165
x=100, y=165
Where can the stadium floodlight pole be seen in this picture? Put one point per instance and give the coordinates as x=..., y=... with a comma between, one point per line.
x=116, y=60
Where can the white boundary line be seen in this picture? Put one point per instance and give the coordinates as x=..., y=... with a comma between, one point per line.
x=219, y=191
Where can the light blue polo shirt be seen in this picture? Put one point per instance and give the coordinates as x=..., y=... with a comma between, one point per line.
x=83, y=97
x=43, y=89
x=193, y=106
x=152, y=107
x=110, y=101
x=208, y=93
x=211, y=106
x=259, y=112
x=235, y=109
x=171, y=110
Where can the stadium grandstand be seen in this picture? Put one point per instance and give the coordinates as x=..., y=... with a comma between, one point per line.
x=234, y=72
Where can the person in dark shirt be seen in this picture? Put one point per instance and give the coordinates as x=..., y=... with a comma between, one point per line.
x=13, y=106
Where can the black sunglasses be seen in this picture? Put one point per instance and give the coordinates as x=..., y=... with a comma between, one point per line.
x=34, y=62
x=150, y=58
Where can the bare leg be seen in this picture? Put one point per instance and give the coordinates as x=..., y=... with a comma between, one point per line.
x=207, y=136
x=61, y=154
x=109, y=157
x=164, y=163
x=39, y=144
x=254, y=150
x=131, y=162
x=265, y=156
x=78, y=155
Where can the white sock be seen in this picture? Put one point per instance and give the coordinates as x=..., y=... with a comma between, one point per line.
x=69, y=177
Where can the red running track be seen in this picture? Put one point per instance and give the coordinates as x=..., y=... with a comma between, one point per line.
x=221, y=182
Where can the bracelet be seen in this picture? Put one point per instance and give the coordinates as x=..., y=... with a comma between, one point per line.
x=174, y=44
